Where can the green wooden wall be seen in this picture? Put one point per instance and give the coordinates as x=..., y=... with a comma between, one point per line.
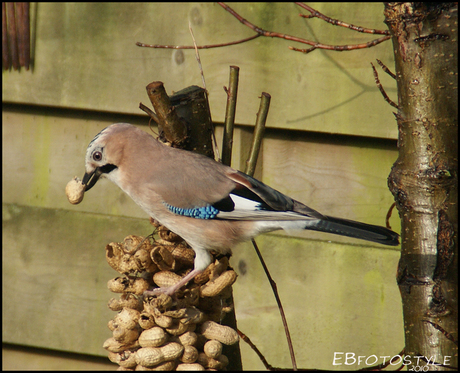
x=330, y=143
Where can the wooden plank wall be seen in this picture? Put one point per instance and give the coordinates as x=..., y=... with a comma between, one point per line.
x=330, y=143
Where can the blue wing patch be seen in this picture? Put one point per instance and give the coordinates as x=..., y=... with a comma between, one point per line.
x=207, y=212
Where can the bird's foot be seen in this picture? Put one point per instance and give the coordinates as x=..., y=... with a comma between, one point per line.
x=169, y=290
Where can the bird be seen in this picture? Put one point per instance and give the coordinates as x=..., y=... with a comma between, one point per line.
x=210, y=205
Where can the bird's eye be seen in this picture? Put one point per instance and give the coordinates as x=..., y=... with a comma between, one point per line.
x=97, y=156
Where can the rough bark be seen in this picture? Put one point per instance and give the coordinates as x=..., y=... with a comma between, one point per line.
x=424, y=179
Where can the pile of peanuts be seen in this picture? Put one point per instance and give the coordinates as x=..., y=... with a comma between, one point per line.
x=160, y=332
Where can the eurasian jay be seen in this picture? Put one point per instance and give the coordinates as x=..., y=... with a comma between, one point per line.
x=210, y=205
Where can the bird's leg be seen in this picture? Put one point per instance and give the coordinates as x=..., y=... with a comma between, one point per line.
x=170, y=290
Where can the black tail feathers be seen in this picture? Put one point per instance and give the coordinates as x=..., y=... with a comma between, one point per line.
x=355, y=229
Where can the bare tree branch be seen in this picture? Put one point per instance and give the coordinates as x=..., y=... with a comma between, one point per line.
x=386, y=69
x=336, y=22
x=272, y=34
x=314, y=44
x=264, y=361
x=159, y=46
x=382, y=91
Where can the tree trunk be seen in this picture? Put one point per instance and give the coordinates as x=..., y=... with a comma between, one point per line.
x=424, y=179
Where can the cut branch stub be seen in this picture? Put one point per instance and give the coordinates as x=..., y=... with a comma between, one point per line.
x=171, y=126
x=192, y=105
x=232, y=93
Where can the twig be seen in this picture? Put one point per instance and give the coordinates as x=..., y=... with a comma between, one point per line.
x=280, y=306
x=250, y=167
x=386, y=69
x=336, y=22
x=382, y=91
x=448, y=335
x=197, y=55
x=308, y=50
x=342, y=48
x=230, y=110
x=259, y=130
x=390, y=211
x=209, y=46
x=245, y=338
x=150, y=112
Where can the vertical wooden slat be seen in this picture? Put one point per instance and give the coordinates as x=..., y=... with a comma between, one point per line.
x=15, y=35
x=4, y=39
x=23, y=30
x=12, y=37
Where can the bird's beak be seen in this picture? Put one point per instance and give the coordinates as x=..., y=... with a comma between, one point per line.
x=90, y=179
